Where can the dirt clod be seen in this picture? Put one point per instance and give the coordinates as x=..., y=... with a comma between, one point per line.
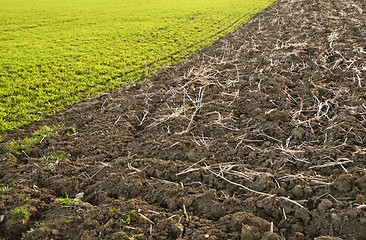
x=343, y=183
x=250, y=233
x=361, y=183
x=325, y=205
x=298, y=191
x=270, y=236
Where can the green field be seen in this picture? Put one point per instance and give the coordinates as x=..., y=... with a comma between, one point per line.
x=55, y=53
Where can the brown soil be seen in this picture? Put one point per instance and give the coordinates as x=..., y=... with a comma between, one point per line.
x=259, y=136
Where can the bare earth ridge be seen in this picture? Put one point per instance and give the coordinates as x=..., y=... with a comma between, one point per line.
x=260, y=136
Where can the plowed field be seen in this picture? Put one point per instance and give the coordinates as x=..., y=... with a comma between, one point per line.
x=260, y=136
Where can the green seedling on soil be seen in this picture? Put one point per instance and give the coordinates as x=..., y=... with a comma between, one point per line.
x=16, y=147
x=114, y=210
x=72, y=219
x=135, y=236
x=52, y=157
x=65, y=201
x=27, y=199
x=5, y=190
x=128, y=218
x=22, y=214
x=48, y=160
x=39, y=225
x=47, y=169
x=44, y=132
x=73, y=131
x=66, y=221
x=56, y=53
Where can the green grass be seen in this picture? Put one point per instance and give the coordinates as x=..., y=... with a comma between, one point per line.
x=128, y=218
x=15, y=147
x=65, y=201
x=22, y=214
x=55, y=53
x=52, y=157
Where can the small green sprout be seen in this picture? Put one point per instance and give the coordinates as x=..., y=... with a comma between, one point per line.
x=39, y=224
x=51, y=157
x=44, y=132
x=136, y=236
x=66, y=221
x=16, y=147
x=65, y=201
x=74, y=130
x=114, y=210
x=128, y=219
x=47, y=169
x=27, y=199
x=133, y=236
x=22, y=214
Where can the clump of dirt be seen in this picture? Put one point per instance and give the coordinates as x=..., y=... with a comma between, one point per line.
x=260, y=136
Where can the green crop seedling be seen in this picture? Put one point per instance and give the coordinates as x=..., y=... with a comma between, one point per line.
x=135, y=236
x=65, y=201
x=113, y=210
x=16, y=147
x=22, y=214
x=128, y=218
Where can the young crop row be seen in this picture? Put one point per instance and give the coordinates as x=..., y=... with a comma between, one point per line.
x=55, y=53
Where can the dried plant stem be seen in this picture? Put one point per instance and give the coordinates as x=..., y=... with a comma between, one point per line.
x=253, y=191
x=198, y=105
